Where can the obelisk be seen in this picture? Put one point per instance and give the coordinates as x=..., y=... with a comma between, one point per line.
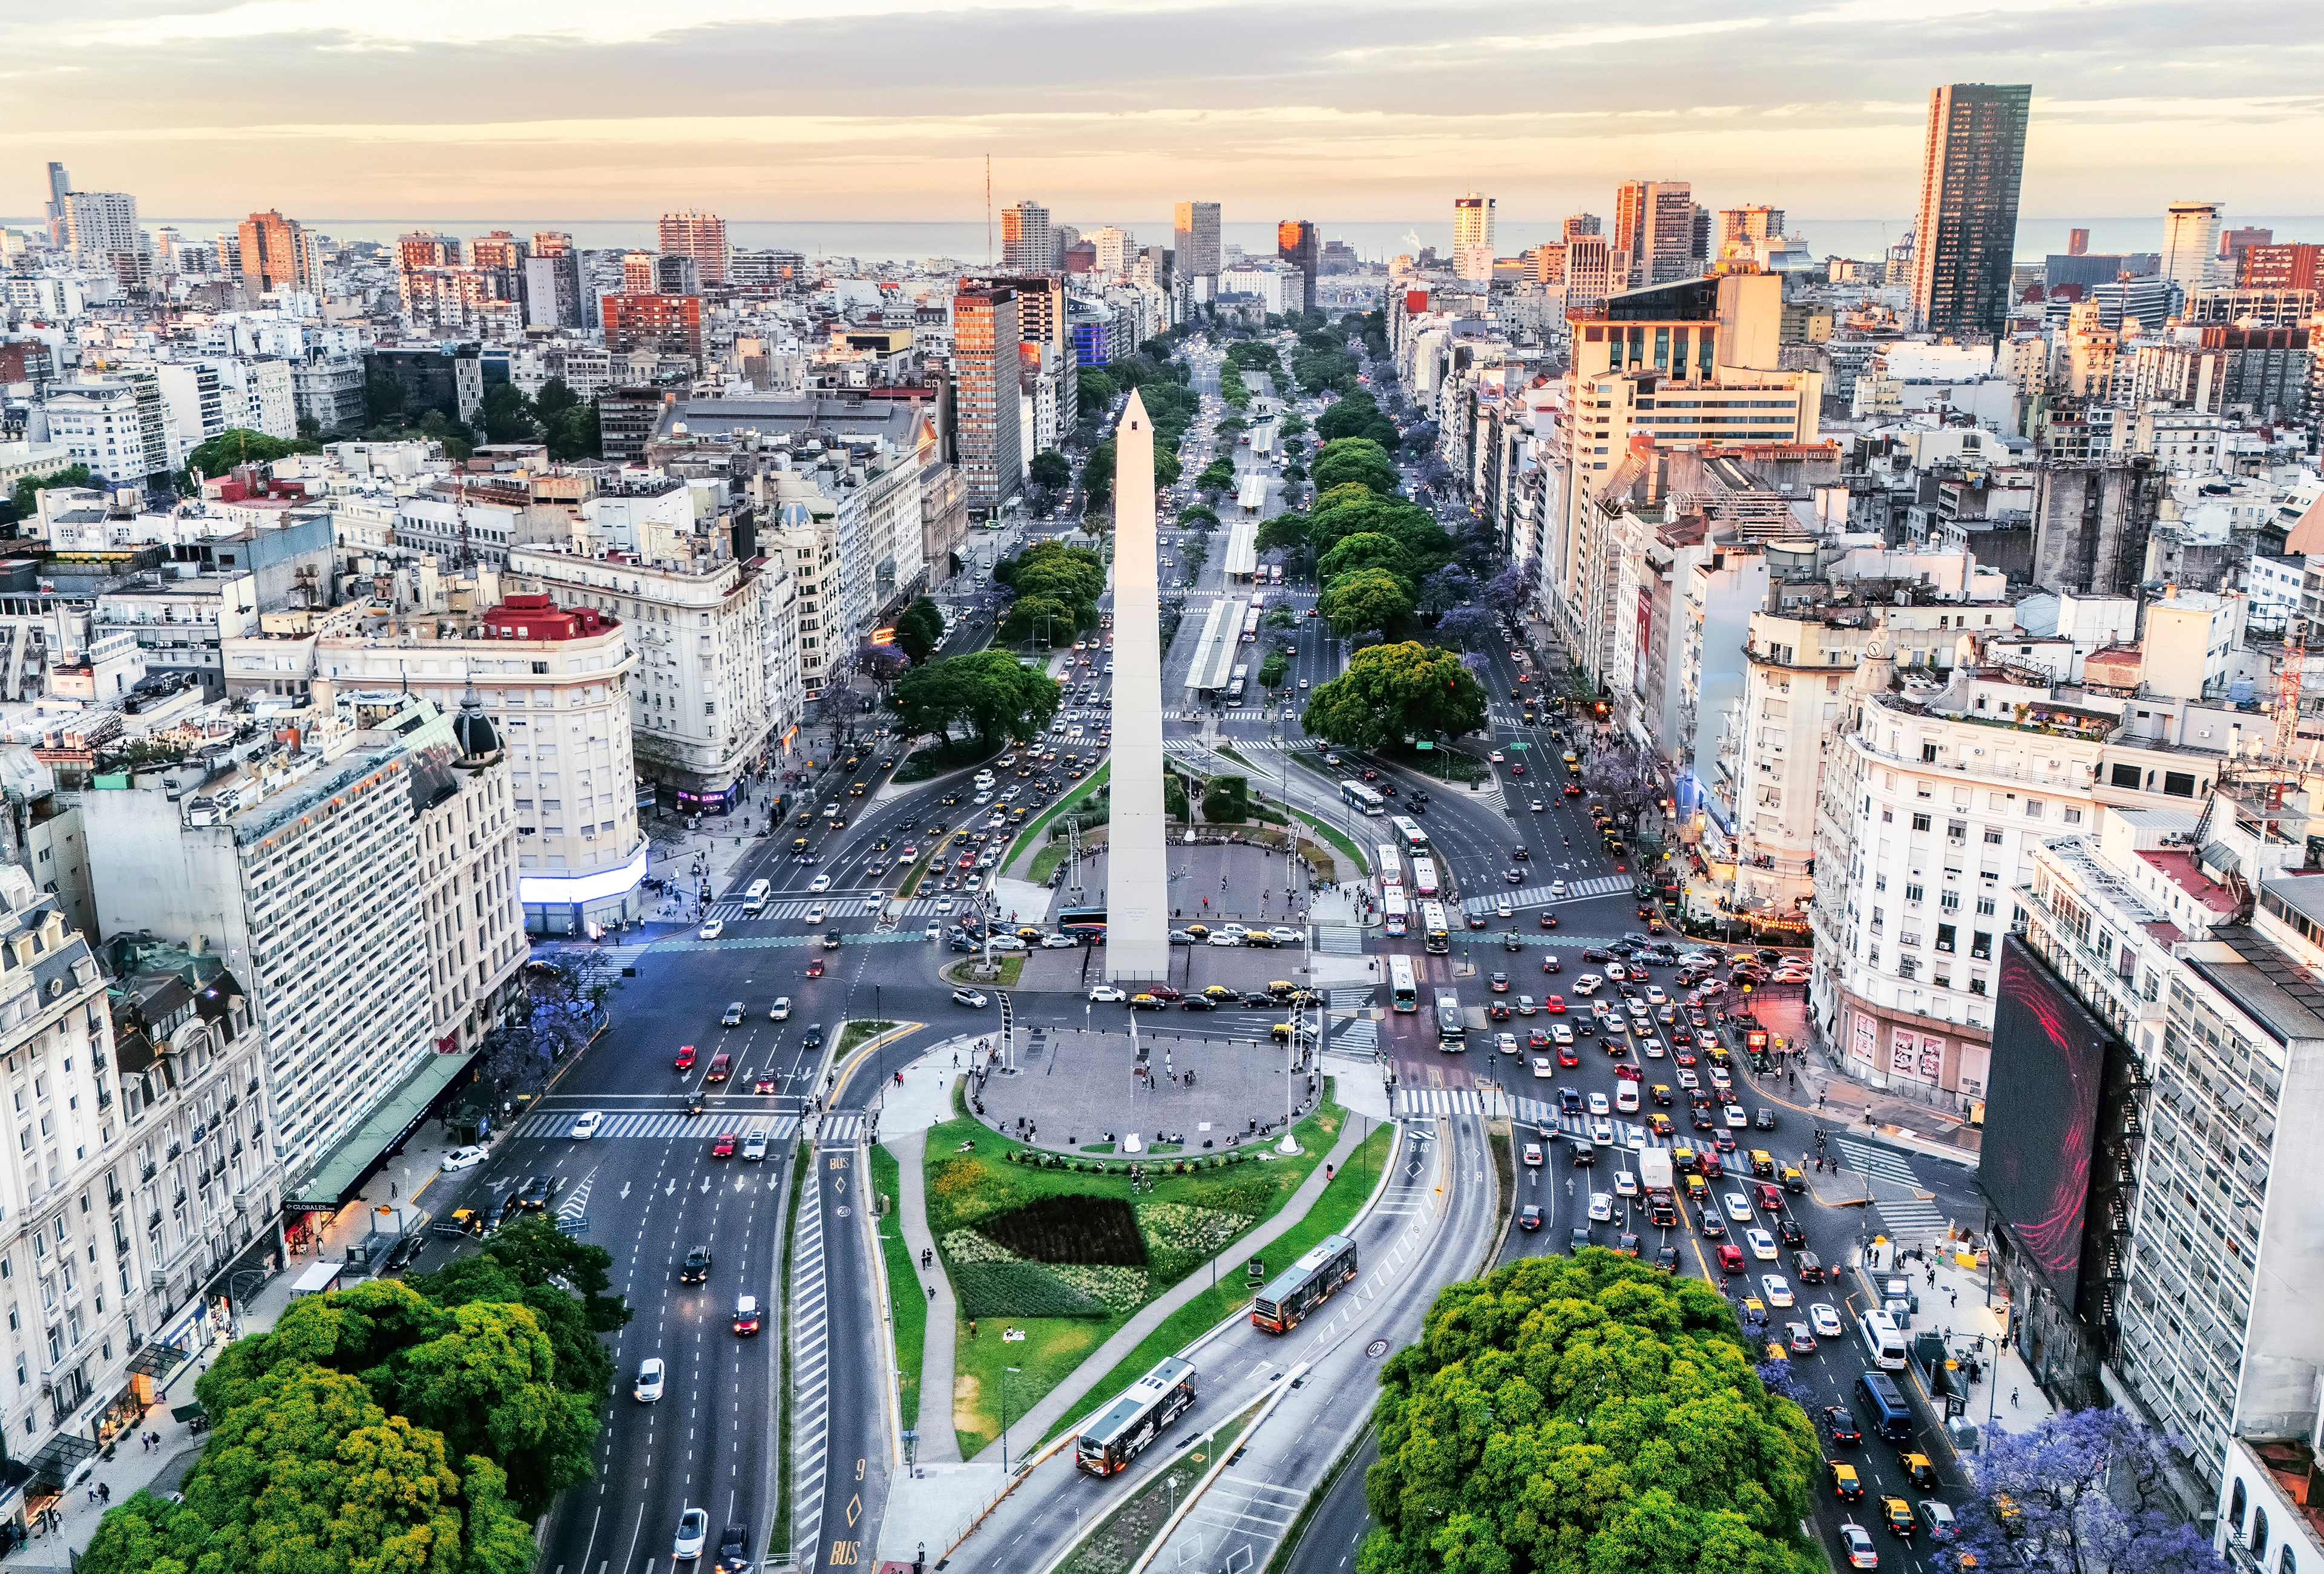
x=1137, y=875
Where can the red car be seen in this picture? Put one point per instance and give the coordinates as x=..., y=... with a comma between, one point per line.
x=1518, y=770
x=1566, y=1057
x=1554, y=1004
x=723, y=1146
x=685, y=1061
x=814, y=968
x=1626, y=1072
x=1731, y=1258
x=1572, y=790
x=764, y=1085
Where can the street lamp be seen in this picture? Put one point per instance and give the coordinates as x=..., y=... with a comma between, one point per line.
x=1006, y=1373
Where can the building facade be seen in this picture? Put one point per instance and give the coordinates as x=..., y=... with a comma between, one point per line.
x=1965, y=240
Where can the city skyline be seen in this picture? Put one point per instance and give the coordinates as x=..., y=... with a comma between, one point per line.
x=1747, y=102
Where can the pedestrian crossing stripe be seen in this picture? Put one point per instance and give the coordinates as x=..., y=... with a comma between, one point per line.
x=1539, y=895
x=1358, y=1036
x=1413, y=1101
x=1910, y=1219
x=1339, y=939
x=1344, y=999
x=653, y=1125
x=833, y=907
x=839, y=1129
x=1627, y=1133
x=1882, y=1163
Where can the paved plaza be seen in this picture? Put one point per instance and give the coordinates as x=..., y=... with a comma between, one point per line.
x=1076, y=1088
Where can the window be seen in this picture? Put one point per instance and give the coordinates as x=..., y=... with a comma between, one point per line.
x=2124, y=775
x=1992, y=835
x=1928, y=757
x=1913, y=892
x=1980, y=944
x=1920, y=822
x=2033, y=808
x=1976, y=983
x=1944, y=937
x=1956, y=830
x=2179, y=784
x=1908, y=966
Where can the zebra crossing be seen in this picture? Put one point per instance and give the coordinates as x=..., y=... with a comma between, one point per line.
x=1880, y=1163
x=833, y=907
x=1424, y=1101
x=1338, y=940
x=841, y=1129
x=1358, y=1035
x=1539, y=895
x=1627, y=1133
x=654, y=1125
x=1910, y=1217
x=1345, y=999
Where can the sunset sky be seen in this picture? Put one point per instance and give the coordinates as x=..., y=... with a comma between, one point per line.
x=859, y=109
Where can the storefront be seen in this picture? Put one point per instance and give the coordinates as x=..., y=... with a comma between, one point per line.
x=581, y=904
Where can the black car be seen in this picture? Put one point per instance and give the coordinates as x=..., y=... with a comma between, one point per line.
x=696, y=1270
x=1714, y=1228
x=1260, y=937
x=1569, y=1100
x=1788, y=1231
x=1476, y=921
x=1514, y=876
x=1666, y=1260
x=536, y=1192
x=1258, y=999
x=1596, y=954
x=735, y=1550
x=1584, y=1155
x=1808, y=1267
x=1840, y=1425
x=1765, y=1119
x=813, y=1039
x=1529, y=1217
x=1198, y=1002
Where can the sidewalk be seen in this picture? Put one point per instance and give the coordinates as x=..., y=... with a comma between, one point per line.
x=1953, y=1301
x=1825, y=1090
x=907, y=1110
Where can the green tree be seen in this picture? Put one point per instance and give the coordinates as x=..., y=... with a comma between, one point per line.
x=1097, y=474
x=1584, y=1413
x=920, y=630
x=1286, y=532
x=572, y=432
x=555, y=398
x=1218, y=476
x=1042, y=618
x=1393, y=693
x=1274, y=669
x=27, y=496
x=991, y=692
x=1096, y=389
x=1051, y=468
x=1357, y=414
x=1231, y=390
x=241, y=446
x=1226, y=800
x=382, y=398
x=1350, y=509
x=1356, y=459
x=508, y=416
x=1366, y=550
x=1200, y=516
x=1365, y=600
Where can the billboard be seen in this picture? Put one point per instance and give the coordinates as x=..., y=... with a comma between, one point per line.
x=2050, y=1057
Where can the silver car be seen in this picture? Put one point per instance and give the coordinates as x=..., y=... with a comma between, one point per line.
x=693, y=1532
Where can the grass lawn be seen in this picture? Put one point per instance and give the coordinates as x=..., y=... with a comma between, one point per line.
x=1046, y=860
x=856, y=1033
x=964, y=1188
x=904, y=1290
x=1010, y=964
x=1333, y=1212
x=1040, y=826
x=1347, y=850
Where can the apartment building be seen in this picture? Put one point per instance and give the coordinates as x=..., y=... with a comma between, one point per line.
x=987, y=425
x=119, y=427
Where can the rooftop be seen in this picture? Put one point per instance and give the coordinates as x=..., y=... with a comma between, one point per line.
x=2182, y=871
x=2265, y=985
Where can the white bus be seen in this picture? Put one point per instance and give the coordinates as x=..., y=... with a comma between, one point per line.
x=1408, y=832
x=754, y=899
x=1360, y=796
x=1452, y=1030
x=1396, y=912
x=1884, y=1343
x=1424, y=877
x=1432, y=927
x=1391, y=865
x=1403, y=988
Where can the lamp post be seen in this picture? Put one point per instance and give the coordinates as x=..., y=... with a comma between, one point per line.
x=1006, y=1373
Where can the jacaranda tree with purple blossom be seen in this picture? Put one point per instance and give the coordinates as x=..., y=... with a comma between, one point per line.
x=2085, y=1492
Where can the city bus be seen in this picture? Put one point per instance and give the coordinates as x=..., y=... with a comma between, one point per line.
x=1082, y=920
x=1389, y=862
x=1306, y=1285
x=1424, y=877
x=1250, y=617
x=1360, y=796
x=1275, y=573
x=1236, y=684
x=1433, y=926
x=1408, y=832
x=1110, y=1439
x=1451, y=1032
x=1396, y=912
x=1403, y=988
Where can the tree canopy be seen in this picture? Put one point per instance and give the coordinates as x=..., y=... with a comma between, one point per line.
x=1355, y=460
x=1351, y=508
x=1366, y=600
x=920, y=629
x=27, y=496
x=1050, y=469
x=1392, y=693
x=1358, y=414
x=990, y=691
x=1587, y=1415
x=1366, y=550
x=1285, y=531
x=1218, y=476
x=1625, y=779
x=241, y=446
x=2083, y=1492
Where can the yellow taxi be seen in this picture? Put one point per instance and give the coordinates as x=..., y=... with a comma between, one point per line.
x=1845, y=1486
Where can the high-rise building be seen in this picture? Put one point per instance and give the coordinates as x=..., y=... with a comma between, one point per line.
x=1742, y=229
x=552, y=281
x=1653, y=233
x=59, y=187
x=501, y=250
x=699, y=235
x=669, y=323
x=1195, y=228
x=2191, y=245
x=100, y=224
x=2077, y=242
x=2235, y=243
x=676, y=273
x=415, y=253
x=1580, y=224
x=278, y=253
x=1966, y=237
x=1473, y=235
x=1298, y=244
x=986, y=423
x=637, y=273
x=1028, y=241
x=2291, y=266
x=1116, y=249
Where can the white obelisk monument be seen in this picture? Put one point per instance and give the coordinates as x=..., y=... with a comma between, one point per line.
x=1137, y=879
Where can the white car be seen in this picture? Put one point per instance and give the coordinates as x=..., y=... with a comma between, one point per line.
x=1224, y=939
x=1506, y=1045
x=648, y=1388
x=1597, y=1104
x=1654, y=1049
x=1542, y=1069
x=1058, y=942
x=934, y=932
x=1236, y=930
x=1539, y=807
x=754, y=1146
x=1602, y=1206
x=1601, y=1132
x=1559, y=1034
x=693, y=1532
x=973, y=999
x=1736, y=1119
x=1655, y=995
x=1625, y=1098
x=1006, y=942
x=817, y=914
x=1825, y=1319
x=944, y=905
x=1588, y=983
x=1533, y=1154
x=586, y=1126
x=710, y=930
x=1107, y=995
x=1557, y=888
x=1739, y=1207
x=1762, y=1245
x=462, y=1159
x=1625, y=1183
x=1283, y=936
x=1778, y=1290
x=820, y=882
x=780, y=1010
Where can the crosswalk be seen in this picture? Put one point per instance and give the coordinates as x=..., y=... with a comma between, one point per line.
x=1540, y=896
x=1425, y=1101
x=1338, y=940
x=1881, y=1163
x=1906, y=1218
x=1356, y=1036
x=1343, y=999
x=833, y=907
x=1534, y=1113
x=841, y=1128
x=654, y=1125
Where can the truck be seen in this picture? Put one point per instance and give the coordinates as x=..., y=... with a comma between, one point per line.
x=1654, y=1179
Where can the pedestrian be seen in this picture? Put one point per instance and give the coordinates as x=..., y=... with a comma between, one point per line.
x=1955, y=1295
x=2012, y=1399
x=104, y=1493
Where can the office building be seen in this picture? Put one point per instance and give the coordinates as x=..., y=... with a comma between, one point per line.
x=278, y=253
x=552, y=281
x=119, y=427
x=59, y=187
x=1653, y=233
x=418, y=254
x=1116, y=249
x=669, y=324
x=1742, y=229
x=1299, y=247
x=986, y=425
x=100, y=225
x=1194, y=228
x=2190, y=245
x=701, y=236
x=1577, y=225
x=1472, y=237
x=1965, y=239
x=1028, y=241
x=2291, y=266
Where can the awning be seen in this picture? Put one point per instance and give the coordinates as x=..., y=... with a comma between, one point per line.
x=58, y=1457
x=318, y=1278
x=333, y=1180
x=155, y=1360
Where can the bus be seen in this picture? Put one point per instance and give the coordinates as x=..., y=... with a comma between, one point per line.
x=1433, y=926
x=1424, y=877
x=1235, y=683
x=1082, y=920
x=1361, y=797
x=1408, y=832
x=1389, y=862
x=1396, y=912
x=1275, y=573
x=1403, y=989
x=1451, y=1032
x=1250, y=617
x=1305, y=1286
x=1110, y=1439
x=1884, y=1346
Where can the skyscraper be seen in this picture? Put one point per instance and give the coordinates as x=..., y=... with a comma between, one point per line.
x=1653, y=233
x=1028, y=241
x=552, y=281
x=1195, y=228
x=699, y=235
x=99, y=225
x=987, y=428
x=278, y=253
x=2190, y=243
x=1472, y=237
x=59, y=187
x=1297, y=245
x=1966, y=237
x=1742, y=229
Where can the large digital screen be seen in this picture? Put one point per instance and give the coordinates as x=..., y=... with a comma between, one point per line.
x=2042, y=1112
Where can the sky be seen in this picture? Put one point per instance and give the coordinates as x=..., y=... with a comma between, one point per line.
x=1349, y=109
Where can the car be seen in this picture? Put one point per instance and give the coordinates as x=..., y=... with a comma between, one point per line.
x=1666, y=1260
x=1058, y=942
x=1626, y=1097
x=1283, y=935
x=1539, y=807
x=1597, y=1104
x=1778, y=1290
x=1731, y=1258
x=1588, y=983
x=1856, y=1541
x=780, y=1010
x=732, y=1015
x=1898, y=1515
x=1556, y=888
x=1107, y=995
x=746, y=1315
x=721, y=1146
x=1788, y=1230
x=1825, y=1320
x=1846, y=1485
x=1533, y=1154
x=1921, y=1472
x=1514, y=876
x=1937, y=1519
x=1840, y=1424
x=767, y=1082
x=814, y=968
x=1500, y=983
x=1526, y=1007
x=1542, y=1068
x=711, y=929
x=693, y=1534
x=1799, y=1339
x=1602, y=1133
x=754, y=1146
x=467, y=1158
x=819, y=884
x=1223, y=938
x=685, y=1060
x=586, y=1125
x=1762, y=1243
x=974, y=999
x=1529, y=1216
x=1714, y=1228
x=649, y=1385
x=695, y=1268
x=1497, y=1010
x=1739, y=1207
x=1554, y=1003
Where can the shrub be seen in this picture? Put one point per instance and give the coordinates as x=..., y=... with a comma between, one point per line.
x=1018, y=1289
x=1071, y=1229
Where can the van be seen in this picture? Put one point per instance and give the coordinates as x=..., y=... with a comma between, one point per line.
x=1884, y=1346
x=754, y=899
x=1884, y=1407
